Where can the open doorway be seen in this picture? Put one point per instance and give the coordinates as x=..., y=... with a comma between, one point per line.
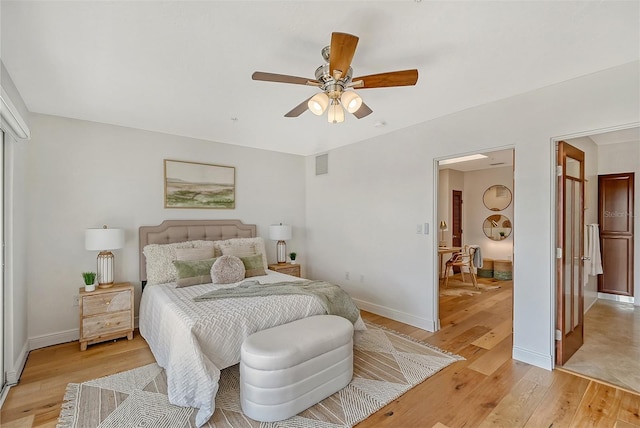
x=611, y=346
x=475, y=209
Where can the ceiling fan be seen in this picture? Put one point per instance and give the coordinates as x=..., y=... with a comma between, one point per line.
x=335, y=80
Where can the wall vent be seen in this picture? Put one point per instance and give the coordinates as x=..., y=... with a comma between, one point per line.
x=322, y=164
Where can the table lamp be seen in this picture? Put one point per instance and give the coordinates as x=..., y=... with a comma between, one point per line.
x=104, y=240
x=443, y=227
x=280, y=232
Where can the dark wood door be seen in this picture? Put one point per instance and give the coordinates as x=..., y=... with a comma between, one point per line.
x=569, y=257
x=456, y=219
x=615, y=216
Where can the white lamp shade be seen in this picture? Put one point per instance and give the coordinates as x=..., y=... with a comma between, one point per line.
x=280, y=232
x=103, y=239
x=335, y=113
x=351, y=101
x=318, y=103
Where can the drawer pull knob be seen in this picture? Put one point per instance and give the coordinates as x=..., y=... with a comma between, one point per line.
x=107, y=324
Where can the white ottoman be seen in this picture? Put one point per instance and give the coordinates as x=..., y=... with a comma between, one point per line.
x=289, y=368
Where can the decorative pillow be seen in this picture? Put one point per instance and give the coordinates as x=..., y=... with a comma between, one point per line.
x=159, y=258
x=253, y=265
x=193, y=272
x=195, y=253
x=227, y=270
x=242, y=247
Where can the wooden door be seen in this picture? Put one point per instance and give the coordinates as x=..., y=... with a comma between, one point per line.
x=570, y=252
x=615, y=217
x=456, y=219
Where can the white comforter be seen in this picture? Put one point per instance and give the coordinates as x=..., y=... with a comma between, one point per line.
x=193, y=341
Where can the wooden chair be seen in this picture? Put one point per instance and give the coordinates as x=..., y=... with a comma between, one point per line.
x=464, y=260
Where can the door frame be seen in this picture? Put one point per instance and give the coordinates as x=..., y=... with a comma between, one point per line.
x=434, y=242
x=554, y=217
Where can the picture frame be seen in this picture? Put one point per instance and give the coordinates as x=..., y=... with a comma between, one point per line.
x=199, y=185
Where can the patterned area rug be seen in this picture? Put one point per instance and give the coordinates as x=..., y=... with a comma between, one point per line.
x=456, y=287
x=386, y=365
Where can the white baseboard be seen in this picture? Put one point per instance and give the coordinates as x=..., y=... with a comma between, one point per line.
x=533, y=358
x=429, y=325
x=13, y=376
x=616, y=298
x=61, y=337
x=53, y=339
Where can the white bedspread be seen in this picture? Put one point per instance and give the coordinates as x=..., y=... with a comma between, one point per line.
x=193, y=341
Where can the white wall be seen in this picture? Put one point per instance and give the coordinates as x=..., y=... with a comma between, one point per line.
x=625, y=157
x=475, y=212
x=448, y=181
x=85, y=174
x=362, y=216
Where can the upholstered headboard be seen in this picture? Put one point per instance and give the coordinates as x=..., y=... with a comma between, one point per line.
x=170, y=231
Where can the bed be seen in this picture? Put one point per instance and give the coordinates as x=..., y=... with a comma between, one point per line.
x=192, y=340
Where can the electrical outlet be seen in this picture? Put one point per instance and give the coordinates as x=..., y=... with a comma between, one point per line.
x=419, y=229
x=76, y=300
x=346, y=275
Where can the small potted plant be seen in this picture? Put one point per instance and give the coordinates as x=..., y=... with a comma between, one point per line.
x=89, y=281
x=293, y=256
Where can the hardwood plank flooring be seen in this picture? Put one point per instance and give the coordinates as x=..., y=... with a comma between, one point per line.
x=486, y=389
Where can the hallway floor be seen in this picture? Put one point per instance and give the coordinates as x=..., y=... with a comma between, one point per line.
x=611, y=350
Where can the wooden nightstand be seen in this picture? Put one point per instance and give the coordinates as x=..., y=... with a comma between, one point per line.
x=106, y=314
x=288, y=268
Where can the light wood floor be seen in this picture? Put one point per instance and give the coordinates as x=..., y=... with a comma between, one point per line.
x=487, y=389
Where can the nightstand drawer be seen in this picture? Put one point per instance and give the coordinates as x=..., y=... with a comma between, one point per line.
x=294, y=270
x=106, y=302
x=287, y=268
x=101, y=325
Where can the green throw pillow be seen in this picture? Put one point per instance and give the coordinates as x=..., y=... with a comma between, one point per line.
x=193, y=272
x=253, y=265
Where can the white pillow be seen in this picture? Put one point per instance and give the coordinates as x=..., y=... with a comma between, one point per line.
x=243, y=247
x=160, y=257
x=187, y=254
x=227, y=270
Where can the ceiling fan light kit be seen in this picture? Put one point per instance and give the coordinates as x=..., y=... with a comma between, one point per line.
x=334, y=80
x=336, y=112
x=318, y=103
x=351, y=101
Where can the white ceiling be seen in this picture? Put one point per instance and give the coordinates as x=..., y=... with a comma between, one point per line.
x=185, y=68
x=628, y=135
x=495, y=159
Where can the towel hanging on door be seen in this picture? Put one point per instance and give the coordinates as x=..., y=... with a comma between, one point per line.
x=593, y=264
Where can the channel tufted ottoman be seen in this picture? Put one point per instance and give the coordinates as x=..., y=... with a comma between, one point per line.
x=289, y=368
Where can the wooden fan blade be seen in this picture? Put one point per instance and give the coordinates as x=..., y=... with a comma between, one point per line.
x=299, y=109
x=282, y=78
x=363, y=111
x=384, y=80
x=343, y=47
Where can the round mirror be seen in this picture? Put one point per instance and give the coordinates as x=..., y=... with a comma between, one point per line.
x=497, y=197
x=497, y=227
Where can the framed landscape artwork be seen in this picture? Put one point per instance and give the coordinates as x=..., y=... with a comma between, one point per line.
x=199, y=185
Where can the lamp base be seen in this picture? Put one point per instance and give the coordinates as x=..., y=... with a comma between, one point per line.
x=281, y=251
x=105, y=269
